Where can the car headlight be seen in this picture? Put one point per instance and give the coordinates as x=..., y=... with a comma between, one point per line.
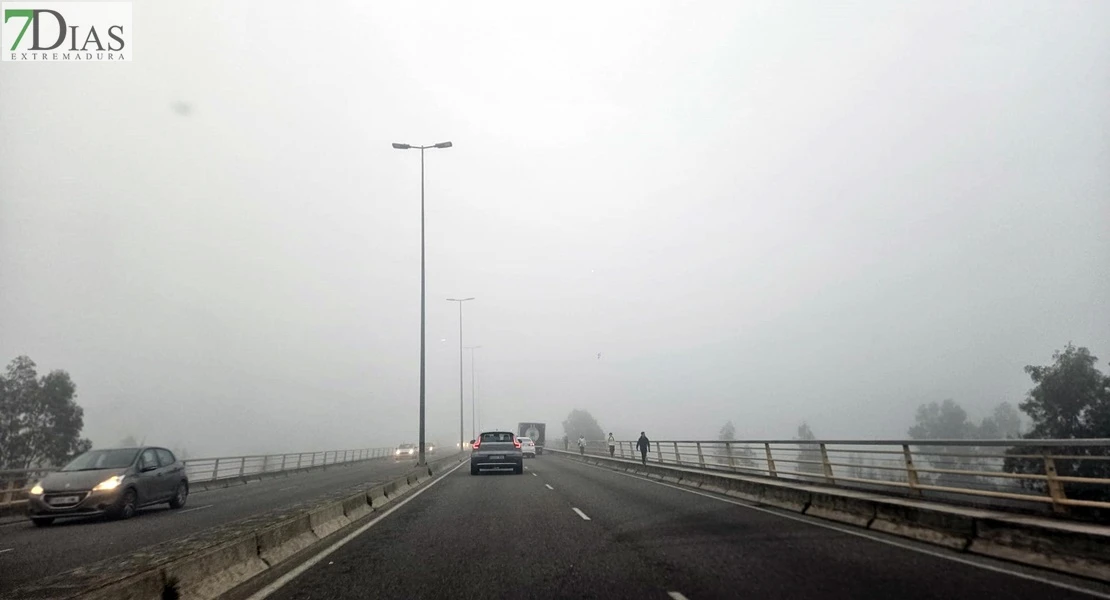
x=36, y=490
x=110, y=483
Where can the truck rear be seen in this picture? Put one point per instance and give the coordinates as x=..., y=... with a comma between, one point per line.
x=537, y=432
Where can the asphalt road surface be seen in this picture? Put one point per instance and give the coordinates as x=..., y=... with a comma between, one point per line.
x=569, y=530
x=28, y=552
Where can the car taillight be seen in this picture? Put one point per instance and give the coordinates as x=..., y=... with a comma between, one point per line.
x=475, y=445
x=516, y=442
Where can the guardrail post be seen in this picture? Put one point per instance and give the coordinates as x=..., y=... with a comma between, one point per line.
x=701, y=457
x=9, y=491
x=825, y=465
x=216, y=470
x=283, y=461
x=731, y=461
x=313, y=464
x=677, y=456
x=770, y=461
x=1055, y=487
x=658, y=451
x=911, y=471
x=242, y=465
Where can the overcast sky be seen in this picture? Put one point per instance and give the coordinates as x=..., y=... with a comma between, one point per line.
x=764, y=212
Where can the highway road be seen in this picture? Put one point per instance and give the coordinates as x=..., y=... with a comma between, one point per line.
x=569, y=530
x=28, y=552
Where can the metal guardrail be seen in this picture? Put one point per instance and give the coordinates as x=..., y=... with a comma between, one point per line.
x=15, y=482
x=1044, y=472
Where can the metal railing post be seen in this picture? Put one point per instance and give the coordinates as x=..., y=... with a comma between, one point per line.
x=658, y=451
x=770, y=461
x=300, y=455
x=216, y=470
x=313, y=464
x=911, y=471
x=283, y=462
x=677, y=456
x=731, y=460
x=1055, y=487
x=242, y=465
x=701, y=457
x=825, y=464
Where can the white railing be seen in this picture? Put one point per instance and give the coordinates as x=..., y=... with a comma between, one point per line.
x=1061, y=474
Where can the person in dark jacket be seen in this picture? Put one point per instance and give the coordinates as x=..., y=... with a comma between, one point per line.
x=643, y=444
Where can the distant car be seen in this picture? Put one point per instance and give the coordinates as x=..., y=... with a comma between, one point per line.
x=527, y=447
x=115, y=482
x=431, y=449
x=496, y=450
x=404, y=451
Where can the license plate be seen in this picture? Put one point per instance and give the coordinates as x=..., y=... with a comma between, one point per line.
x=65, y=500
x=500, y=457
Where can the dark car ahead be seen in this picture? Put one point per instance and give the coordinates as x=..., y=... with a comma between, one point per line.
x=114, y=482
x=496, y=450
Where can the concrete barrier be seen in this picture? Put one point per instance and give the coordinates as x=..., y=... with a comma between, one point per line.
x=952, y=528
x=217, y=570
x=377, y=498
x=1067, y=547
x=280, y=541
x=786, y=498
x=356, y=506
x=856, y=511
x=328, y=519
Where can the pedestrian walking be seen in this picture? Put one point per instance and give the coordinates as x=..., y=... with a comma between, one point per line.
x=566, y=442
x=582, y=445
x=643, y=445
x=612, y=445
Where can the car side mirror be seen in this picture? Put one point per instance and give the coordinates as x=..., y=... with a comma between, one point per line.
x=148, y=468
x=471, y=442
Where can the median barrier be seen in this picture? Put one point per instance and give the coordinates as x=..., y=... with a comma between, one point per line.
x=328, y=519
x=217, y=570
x=377, y=498
x=1070, y=547
x=278, y=542
x=356, y=506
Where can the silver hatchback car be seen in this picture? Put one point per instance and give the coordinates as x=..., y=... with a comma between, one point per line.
x=115, y=482
x=496, y=450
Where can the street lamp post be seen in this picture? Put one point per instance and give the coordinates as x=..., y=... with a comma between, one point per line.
x=423, y=445
x=473, y=429
x=460, y=301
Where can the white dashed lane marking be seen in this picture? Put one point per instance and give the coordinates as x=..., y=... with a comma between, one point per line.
x=581, y=514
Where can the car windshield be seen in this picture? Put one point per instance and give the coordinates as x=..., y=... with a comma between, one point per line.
x=407, y=446
x=102, y=459
x=525, y=440
x=497, y=436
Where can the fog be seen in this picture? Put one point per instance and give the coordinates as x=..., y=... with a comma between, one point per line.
x=756, y=212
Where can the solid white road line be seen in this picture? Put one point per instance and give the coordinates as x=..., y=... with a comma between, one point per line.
x=548, y=485
x=582, y=514
x=874, y=538
x=181, y=512
x=677, y=596
x=308, y=564
x=6, y=550
x=534, y=475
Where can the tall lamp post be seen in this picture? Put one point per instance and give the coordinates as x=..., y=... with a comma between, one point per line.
x=460, y=302
x=423, y=445
x=473, y=429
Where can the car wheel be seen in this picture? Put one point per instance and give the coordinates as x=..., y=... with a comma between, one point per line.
x=519, y=469
x=473, y=470
x=43, y=521
x=127, y=505
x=180, y=496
